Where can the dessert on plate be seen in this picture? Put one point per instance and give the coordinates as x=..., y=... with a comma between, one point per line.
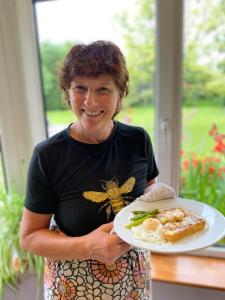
x=167, y=225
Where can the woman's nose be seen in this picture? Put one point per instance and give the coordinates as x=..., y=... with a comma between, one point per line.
x=90, y=97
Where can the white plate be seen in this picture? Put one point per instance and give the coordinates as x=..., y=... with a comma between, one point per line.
x=215, y=229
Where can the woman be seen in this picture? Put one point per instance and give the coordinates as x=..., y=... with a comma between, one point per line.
x=81, y=177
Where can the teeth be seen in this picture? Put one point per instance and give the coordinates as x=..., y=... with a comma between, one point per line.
x=93, y=113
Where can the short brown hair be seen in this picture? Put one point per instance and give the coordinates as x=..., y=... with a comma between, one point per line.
x=92, y=60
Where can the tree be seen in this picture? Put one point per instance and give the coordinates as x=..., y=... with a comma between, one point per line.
x=204, y=51
x=52, y=56
x=139, y=38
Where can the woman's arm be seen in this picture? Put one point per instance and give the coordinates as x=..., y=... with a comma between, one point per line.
x=36, y=237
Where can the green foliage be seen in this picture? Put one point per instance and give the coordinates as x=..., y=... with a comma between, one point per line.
x=52, y=56
x=13, y=260
x=203, y=179
x=216, y=89
x=203, y=62
x=204, y=52
x=196, y=123
x=139, y=37
x=200, y=82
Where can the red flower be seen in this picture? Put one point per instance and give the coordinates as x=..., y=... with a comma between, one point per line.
x=186, y=165
x=219, y=137
x=213, y=130
x=220, y=147
x=211, y=169
x=211, y=159
x=195, y=162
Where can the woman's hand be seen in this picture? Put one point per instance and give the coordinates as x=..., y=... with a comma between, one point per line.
x=104, y=246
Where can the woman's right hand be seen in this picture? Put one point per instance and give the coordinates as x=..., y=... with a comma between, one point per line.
x=105, y=246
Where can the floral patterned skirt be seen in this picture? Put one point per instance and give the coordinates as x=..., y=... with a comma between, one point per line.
x=128, y=278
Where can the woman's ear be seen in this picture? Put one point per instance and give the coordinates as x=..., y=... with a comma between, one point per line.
x=119, y=106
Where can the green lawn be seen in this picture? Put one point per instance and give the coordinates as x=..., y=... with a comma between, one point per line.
x=196, y=124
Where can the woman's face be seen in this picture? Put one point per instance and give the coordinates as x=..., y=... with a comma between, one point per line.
x=94, y=101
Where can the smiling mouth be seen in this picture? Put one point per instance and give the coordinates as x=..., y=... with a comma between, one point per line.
x=92, y=113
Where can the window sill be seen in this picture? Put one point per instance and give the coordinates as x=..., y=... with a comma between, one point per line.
x=195, y=271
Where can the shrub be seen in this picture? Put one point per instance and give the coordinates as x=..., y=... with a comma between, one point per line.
x=14, y=261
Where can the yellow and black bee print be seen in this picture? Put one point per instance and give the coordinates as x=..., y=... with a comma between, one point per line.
x=114, y=194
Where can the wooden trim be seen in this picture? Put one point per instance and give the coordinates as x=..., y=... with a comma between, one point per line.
x=196, y=271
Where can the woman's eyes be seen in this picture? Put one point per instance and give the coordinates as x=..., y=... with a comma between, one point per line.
x=102, y=90
x=79, y=88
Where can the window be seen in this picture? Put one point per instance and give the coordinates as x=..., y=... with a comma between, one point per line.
x=26, y=84
x=130, y=24
x=203, y=106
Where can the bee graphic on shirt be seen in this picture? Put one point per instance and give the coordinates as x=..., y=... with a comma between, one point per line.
x=113, y=193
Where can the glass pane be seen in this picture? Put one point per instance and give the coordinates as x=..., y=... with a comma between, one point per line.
x=203, y=133
x=128, y=23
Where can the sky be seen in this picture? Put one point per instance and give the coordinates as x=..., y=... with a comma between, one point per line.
x=80, y=20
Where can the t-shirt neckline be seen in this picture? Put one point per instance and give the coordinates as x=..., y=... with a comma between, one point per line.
x=76, y=142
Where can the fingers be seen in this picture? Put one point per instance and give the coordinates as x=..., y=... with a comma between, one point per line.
x=104, y=246
x=107, y=227
x=117, y=252
x=119, y=245
x=124, y=247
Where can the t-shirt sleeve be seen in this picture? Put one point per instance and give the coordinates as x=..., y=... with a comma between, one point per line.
x=39, y=194
x=152, y=167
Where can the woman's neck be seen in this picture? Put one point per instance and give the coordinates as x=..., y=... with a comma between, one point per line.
x=90, y=137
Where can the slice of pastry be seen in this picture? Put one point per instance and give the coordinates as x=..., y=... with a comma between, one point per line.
x=170, y=215
x=174, y=231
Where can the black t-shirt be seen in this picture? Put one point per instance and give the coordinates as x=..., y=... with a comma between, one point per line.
x=84, y=185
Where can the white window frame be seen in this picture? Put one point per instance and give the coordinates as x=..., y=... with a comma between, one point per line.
x=22, y=123
x=169, y=32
